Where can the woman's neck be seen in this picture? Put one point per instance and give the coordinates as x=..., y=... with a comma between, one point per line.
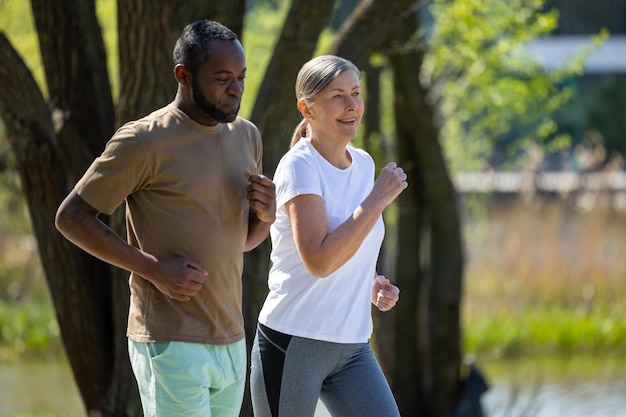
x=337, y=155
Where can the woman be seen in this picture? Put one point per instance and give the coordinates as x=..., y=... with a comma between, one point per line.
x=313, y=331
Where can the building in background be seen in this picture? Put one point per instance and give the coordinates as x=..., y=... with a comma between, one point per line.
x=598, y=112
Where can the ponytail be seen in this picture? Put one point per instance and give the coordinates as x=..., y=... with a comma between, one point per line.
x=300, y=132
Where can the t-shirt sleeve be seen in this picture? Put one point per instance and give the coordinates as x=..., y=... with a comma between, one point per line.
x=121, y=169
x=259, y=151
x=296, y=175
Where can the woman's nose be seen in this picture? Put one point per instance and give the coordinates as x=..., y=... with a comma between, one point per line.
x=351, y=103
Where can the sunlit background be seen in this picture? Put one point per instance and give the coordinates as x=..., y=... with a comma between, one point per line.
x=543, y=221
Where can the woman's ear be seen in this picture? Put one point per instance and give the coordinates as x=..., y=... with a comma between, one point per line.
x=304, y=108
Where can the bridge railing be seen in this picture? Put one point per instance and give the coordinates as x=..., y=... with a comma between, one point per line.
x=557, y=182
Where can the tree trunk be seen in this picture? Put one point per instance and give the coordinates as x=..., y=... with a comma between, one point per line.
x=430, y=260
x=71, y=278
x=358, y=37
x=371, y=121
x=275, y=111
x=53, y=149
x=423, y=360
x=276, y=115
x=73, y=54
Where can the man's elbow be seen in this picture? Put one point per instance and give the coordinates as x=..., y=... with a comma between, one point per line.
x=62, y=220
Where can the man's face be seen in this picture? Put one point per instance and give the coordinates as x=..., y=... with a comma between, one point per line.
x=218, y=85
x=204, y=104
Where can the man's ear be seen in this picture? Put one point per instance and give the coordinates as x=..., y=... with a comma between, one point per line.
x=182, y=75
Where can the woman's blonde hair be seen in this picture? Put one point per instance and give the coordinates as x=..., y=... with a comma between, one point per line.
x=312, y=78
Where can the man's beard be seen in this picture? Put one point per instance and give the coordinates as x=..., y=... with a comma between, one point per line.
x=204, y=105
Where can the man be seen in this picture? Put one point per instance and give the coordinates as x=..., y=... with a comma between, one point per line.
x=190, y=174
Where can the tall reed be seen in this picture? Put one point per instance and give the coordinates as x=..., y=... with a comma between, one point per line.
x=546, y=276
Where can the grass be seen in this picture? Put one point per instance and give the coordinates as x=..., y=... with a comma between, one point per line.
x=28, y=330
x=43, y=415
x=545, y=278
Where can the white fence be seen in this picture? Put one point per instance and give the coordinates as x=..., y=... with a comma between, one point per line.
x=557, y=182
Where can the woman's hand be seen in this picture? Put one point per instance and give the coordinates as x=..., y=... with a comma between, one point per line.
x=389, y=184
x=385, y=295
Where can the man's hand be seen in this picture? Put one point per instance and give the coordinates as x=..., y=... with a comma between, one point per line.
x=179, y=278
x=385, y=295
x=261, y=195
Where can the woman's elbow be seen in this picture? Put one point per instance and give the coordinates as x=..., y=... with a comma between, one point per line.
x=319, y=269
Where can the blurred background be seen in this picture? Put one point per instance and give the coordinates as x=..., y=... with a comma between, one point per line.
x=537, y=159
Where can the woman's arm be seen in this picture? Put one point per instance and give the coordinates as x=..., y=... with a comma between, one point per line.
x=323, y=252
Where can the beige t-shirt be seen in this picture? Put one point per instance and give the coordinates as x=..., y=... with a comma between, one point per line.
x=185, y=194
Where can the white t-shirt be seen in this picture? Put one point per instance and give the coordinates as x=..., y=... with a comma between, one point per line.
x=336, y=308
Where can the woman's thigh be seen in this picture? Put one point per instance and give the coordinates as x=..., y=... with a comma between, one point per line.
x=288, y=372
x=358, y=387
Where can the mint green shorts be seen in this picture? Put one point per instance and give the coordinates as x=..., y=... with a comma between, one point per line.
x=177, y=379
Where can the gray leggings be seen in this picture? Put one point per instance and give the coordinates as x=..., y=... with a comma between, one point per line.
x=289, y=374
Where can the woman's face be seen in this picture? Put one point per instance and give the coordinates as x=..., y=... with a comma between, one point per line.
x=337, y=110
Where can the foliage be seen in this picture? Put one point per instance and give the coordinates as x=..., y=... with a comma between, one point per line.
x=261, y=29
x=28, y=330
x=609, y=98
x=543, y=330
x=16, y=21
x=106, y=11
x=486, y=88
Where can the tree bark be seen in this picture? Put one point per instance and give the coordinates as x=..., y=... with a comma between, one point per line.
x=422, y=361
x=434, y=267
x=74, y=60
x=371, y=120
x=72, y=278
x=276, y=115
x=274, y=110
x=358, y=37
x=54, y=147
x=73, y=55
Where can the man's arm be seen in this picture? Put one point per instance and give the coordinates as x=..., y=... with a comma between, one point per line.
x=261, y=195
x=179, y=278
